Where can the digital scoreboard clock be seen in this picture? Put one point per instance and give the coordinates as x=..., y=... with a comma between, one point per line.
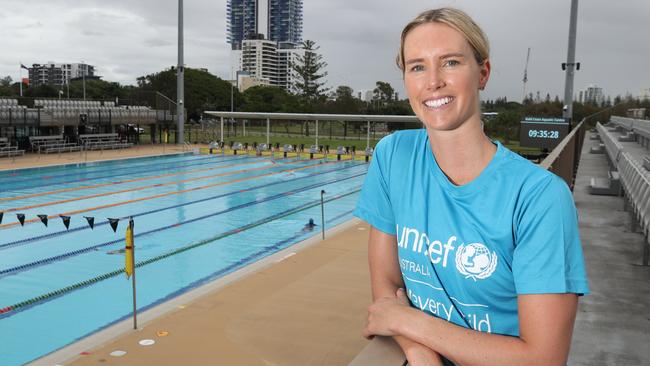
x=542, y=132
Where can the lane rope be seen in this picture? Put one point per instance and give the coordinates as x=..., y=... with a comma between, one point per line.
x=7, y=310
x=146, y=198
x=90, y=169
x=48, y=184
x=56, y=258
x=75, y=189
x=135, y=189
x=85, y=227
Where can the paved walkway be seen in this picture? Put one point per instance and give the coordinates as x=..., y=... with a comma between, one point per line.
x=307, y=309
x=613, y=323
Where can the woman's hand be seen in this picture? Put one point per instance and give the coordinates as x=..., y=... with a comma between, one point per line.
x=384, y=313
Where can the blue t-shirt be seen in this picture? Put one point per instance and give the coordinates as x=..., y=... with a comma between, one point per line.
x=467, y=251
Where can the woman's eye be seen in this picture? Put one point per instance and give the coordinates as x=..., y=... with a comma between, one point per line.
x=417, y=68
x=451, y=63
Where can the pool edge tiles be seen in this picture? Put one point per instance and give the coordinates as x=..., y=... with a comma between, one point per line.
x=113, y=331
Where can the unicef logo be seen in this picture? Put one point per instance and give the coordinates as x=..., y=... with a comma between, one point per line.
x=475, y=260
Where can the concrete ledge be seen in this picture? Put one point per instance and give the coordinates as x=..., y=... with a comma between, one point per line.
x=381, y=351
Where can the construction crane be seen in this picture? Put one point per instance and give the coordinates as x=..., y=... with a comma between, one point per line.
x=523, y=97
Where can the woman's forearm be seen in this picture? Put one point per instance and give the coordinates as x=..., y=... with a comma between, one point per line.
x=468, y=347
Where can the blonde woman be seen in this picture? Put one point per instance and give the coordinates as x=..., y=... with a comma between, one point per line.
x=474, y=252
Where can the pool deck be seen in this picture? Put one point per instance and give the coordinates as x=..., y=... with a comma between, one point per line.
x=307, y=304
x=302, y=306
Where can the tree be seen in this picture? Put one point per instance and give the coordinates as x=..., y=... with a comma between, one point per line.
x=383, y=91
x=264, y=98
x=343, y=92
x=5, y=87
x=5, y=81
x=310, y=69
x=203, y=91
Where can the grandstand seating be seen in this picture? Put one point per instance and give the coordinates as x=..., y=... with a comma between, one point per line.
x=52, y=144
x=11, y=112
x=6, y=150
x=69, y=112
x=630, y=166
x=103, y=141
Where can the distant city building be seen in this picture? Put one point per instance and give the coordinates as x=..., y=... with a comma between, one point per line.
x=267, y=63
x=285, y=21
x=276, y=20
x=58, y=74
x=264, y=36
x=592, y=94
x=366, y=95
x=644, y=94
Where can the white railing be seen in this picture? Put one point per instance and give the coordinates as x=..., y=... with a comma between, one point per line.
x=612, y=146
x=636, y=183
x=624, y=122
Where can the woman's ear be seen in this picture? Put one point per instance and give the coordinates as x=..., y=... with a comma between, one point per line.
x=484, y=74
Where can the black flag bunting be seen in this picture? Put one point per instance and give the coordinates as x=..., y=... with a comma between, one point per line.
x=43, y=219
x=91, y=221
x=114, y=223
x=1, y=214
x=66, y=221
x=21, y=218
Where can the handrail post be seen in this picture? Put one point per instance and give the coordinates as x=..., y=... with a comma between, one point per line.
x=221, y=139
x=268, y=131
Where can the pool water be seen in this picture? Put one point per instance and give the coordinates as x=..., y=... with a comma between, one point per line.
x=196, y=219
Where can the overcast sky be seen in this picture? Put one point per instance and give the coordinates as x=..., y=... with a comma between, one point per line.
x=125, y=39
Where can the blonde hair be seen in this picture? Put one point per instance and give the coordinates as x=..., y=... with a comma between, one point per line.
x=456, y=19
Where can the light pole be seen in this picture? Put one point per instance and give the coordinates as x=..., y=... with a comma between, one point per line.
x=570, y=66
x=180, y=77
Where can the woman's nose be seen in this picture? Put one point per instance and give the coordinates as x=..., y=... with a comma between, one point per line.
x=434, y=79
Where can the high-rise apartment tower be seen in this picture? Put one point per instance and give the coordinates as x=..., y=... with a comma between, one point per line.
x=265, y=37
x=276, y=20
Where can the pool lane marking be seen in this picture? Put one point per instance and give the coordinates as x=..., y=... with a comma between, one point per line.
x=109, y=184
x=104, y=168
x=73, y=253
x=116, y=175
x=79, y=228
x=98, y=166
x=134, y=189
x=7, y=310
x=69, y=213
x=15, y=198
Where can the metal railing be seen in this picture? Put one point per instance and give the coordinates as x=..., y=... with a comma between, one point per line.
x=636, y=184
x=279, y=117
x=612, y=146
x=564, y=159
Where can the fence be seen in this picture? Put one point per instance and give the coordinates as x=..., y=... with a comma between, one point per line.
x=564, y=159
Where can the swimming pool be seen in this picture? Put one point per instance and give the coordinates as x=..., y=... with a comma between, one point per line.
x=196, y=218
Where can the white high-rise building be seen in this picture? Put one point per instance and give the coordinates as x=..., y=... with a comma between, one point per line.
x=265, y=63
x=58, y=74
x=366, y=95
x=593, y=94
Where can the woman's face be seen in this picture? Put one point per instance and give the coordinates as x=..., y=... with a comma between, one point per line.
x=442, y=77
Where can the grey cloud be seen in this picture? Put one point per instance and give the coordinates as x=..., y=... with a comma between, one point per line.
x=358, y=38
x=157, y=42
